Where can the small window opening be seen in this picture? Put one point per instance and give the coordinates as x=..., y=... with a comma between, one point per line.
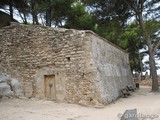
x=68, y=58
x=83, y=75
x=91, y=99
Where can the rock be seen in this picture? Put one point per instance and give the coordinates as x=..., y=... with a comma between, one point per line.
x=5, y=89
x=96, y=104
x=4, y=78
x=130, y=115
x=83, y=103
x=16, y=87
x=9, y=87
x=93, y=103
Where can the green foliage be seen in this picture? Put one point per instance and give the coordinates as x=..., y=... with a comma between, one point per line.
x=106, y=10
x=132, y=35
x=56, y=11
x=152, y=26
x=111, y=30
x=79, y=18
x=132, y=41
x=153, y=29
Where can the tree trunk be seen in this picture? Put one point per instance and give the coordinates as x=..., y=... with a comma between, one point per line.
x=34, y=14
x=11, y=10
x=35, y=18
x=153, y=71
x=32, y=9
x=25, y=19
x=48, y=17
x=42, y=20
x=140, y=61
x=155, y=86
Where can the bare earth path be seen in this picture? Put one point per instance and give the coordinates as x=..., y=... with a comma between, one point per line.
x=146, y=102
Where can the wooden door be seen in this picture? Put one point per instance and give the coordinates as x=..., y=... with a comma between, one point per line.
x=50, y=86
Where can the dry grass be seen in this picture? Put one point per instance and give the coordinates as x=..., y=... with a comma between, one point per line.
x=148, y=82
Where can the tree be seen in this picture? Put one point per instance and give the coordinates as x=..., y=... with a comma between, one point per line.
x=10, y=4
x=152, y=27
x=138, y=7
x=123, y=10
x=23, y=9
x=132, y=42
x=107, y=10
x=110, y=19
x=79, y=18
x=55, y=11
x=13, y=4
x=112, y=30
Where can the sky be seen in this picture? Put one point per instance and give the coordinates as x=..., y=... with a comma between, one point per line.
x=146, y=58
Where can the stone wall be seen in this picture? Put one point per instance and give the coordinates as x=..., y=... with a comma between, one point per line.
x=5, y=19
x=30, y=52
x=86, y=68
x=111, y=69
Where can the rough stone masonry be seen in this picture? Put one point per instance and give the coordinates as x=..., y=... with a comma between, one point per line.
x=63, y=64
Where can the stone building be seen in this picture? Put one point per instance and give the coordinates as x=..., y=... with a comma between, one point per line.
x=63, y=64
x=5, y=19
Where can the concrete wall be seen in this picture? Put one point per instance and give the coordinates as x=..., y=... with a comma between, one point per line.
x=111, y=69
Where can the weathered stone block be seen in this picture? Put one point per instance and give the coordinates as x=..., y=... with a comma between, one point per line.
x=16, y=86
x=5, y=89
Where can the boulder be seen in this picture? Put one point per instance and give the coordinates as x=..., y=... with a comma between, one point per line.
x=9, y=87
x=5, y=89
x=4, y=78
x=16, y=87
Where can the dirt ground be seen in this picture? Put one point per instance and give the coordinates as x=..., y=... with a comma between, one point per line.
x=146, y=103
x=148, y=81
